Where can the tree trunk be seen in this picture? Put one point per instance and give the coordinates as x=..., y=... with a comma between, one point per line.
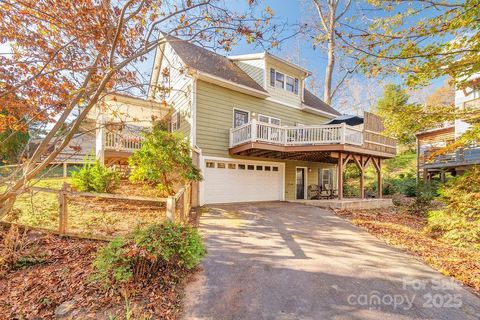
x=327, y=90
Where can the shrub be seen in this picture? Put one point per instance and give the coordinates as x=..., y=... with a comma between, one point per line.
x=350, y=191
x=163, y=161
x=425, y=193
x=95, y=177
x=458, y=222
x=147, y=251
x=16, y=250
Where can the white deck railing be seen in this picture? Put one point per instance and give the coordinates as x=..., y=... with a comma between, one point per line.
x=295, y=135
x=122, y=141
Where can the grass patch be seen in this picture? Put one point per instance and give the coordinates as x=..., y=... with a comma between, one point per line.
x=92, y=216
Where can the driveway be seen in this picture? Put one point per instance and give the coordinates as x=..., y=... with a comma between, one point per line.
x=280, y=260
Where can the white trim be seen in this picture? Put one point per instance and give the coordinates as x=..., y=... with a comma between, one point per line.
x=265, y=74
x=269, y=119
x=330, y=176
x=305, y=183
x=265, y=55
x=231, y=85
x=314, y=110
x=278, y=59
x=201, y=185
x=203, y=160
x=233, y=115
x=283, y=103
x=193, y=127
x=176, y=115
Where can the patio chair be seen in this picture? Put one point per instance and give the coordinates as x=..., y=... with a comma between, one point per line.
x=331, y=193
x=313, y=192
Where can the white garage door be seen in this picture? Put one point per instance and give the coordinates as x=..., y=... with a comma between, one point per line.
x=229, y=181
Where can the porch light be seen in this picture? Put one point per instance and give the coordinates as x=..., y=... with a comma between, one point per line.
x=309, y=170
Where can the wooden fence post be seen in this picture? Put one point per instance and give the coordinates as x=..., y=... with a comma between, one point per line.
x=171, y=208
x=65, y=170
x=186, y=202
x=63, y=209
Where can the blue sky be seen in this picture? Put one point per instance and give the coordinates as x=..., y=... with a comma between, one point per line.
x=360, y=92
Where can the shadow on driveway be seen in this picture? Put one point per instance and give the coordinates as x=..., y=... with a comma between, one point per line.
x=279, y=260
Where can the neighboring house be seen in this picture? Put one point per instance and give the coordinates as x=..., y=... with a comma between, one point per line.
x=430, y=141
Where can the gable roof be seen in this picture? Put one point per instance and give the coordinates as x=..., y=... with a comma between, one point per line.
x=212, y=63
x=312, y=101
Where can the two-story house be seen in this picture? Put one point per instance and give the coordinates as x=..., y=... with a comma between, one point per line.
x=259, y=133
x=431, y=141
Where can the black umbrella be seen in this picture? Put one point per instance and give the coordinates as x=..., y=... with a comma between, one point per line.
x=347, y=119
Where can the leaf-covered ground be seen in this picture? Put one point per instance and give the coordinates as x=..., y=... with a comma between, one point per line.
x=52, y=276
x=405, y=231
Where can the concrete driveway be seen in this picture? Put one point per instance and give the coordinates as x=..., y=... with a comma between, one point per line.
x=290, y=261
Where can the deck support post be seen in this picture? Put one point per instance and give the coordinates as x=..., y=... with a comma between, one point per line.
x=362, y=179
x=340, y=176
x=378, y=166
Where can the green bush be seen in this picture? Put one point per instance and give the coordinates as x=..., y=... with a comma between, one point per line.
x=95, y=177
x=458, y=222
x=458, y=229
x=147, y=251
x=163, y=161
x=425, y=194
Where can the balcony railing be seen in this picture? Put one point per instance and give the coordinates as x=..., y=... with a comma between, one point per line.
x=122, y=141
x=468, y=155
x=295, y=135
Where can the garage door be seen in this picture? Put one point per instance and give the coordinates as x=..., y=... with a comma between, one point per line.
x=228, y=181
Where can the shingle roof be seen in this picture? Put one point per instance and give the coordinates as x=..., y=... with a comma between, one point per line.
x=315, y=102
x=212, y=63
x=217, y=65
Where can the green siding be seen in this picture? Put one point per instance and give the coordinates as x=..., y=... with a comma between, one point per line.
x=215, y=106
x=312, y=176
x=254, y=68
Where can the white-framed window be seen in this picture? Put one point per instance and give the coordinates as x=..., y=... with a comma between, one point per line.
x=268, y=119
x=281, y=80
x=175, y=124
x=240, y=117
x=325, y=177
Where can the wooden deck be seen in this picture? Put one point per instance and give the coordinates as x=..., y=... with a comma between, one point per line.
x=259, y=139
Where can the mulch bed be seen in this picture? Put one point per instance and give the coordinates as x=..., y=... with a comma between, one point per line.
x=54, y=283
x=404, y=230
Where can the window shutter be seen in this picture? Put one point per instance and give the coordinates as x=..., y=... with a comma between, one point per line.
x=272, y=77
x=296, y=86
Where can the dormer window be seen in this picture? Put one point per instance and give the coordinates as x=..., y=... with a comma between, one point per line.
x=280, y=80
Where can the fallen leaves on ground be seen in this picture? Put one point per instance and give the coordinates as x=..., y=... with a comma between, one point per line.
x=405, y=231
x=61, y=278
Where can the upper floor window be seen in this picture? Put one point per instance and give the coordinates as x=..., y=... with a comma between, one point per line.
x=240, y=117
x=270, y=120
x=280, y=80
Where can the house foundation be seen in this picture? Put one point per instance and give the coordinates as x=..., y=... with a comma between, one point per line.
x=348, y=204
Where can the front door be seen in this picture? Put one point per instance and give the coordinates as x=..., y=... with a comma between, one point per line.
x=300, y=183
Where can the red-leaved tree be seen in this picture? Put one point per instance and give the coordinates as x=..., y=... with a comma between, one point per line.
x=62, y=56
